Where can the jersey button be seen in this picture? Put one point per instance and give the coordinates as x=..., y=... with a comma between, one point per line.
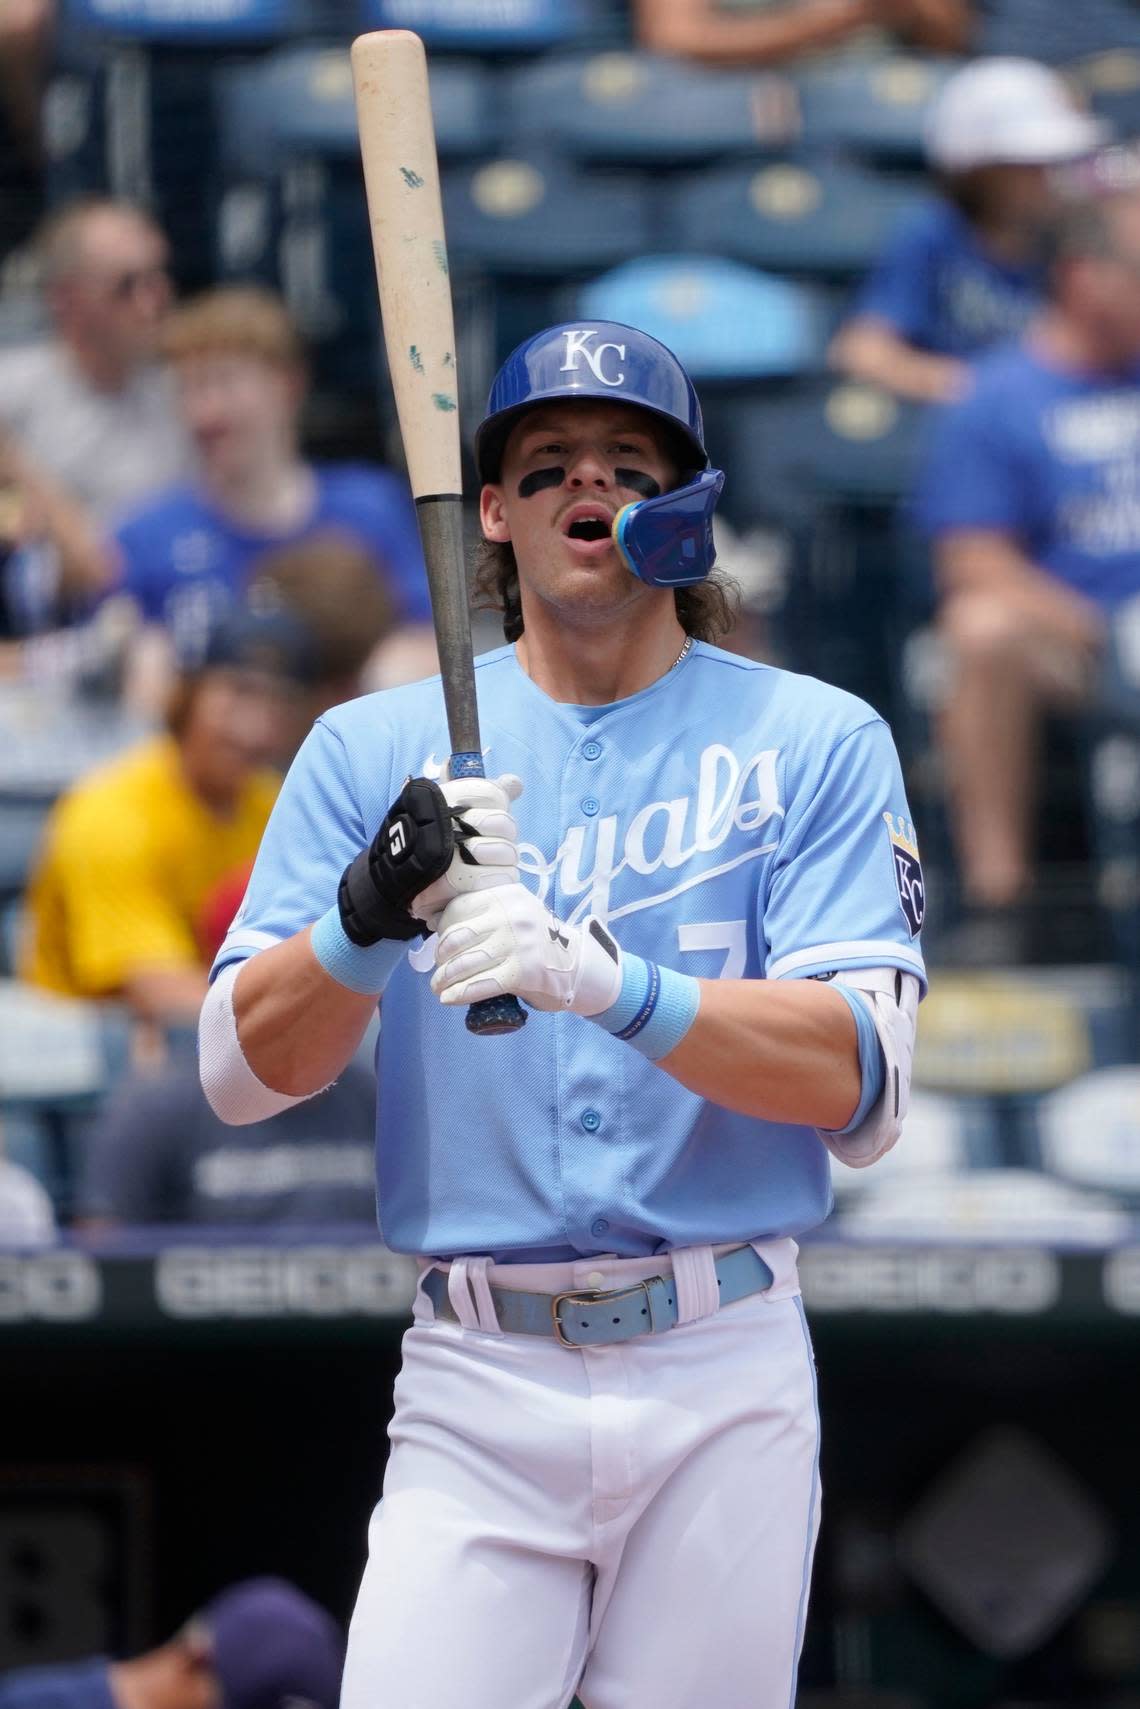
x=591, y=749
x=590, y=805
x=599, y=1226
x=591, y=1120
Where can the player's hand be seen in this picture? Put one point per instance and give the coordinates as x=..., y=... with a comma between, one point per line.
x=507, y=940
x=486, y=843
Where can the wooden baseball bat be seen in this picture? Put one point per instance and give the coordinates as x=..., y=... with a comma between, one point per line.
x=405, y=211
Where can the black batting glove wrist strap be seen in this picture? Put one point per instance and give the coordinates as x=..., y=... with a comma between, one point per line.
x=412, y=848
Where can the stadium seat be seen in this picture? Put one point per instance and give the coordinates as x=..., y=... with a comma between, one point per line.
x=1110, y=82
x=724, y=321
x=298, y=102
x=829, y=442
x=535, y=217
x=472, y=26
x=828, y=219
x=1055, y=32
x=875, y=108
x=1089, y=1131
x=628, y=108
x=189, y=23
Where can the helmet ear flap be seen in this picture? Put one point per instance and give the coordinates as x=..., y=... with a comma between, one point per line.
x=668, y=541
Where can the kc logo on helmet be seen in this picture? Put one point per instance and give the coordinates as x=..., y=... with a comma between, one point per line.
x=908, y=871
x=577, y=344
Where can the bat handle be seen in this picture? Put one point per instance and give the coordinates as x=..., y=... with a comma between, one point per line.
x=494, y=1014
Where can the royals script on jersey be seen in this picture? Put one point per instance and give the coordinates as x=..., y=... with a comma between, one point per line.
x=732, y=821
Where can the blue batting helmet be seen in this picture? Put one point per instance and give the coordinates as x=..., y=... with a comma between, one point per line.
x=591, y=359
x=666, y=541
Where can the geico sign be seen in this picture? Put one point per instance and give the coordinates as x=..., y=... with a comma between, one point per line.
x=266, y=1281
x=50, y=1287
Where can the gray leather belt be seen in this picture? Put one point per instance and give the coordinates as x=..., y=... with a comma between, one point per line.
x=596, y=1319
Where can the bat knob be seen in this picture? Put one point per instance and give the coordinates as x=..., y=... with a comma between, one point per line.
x=496, y=1015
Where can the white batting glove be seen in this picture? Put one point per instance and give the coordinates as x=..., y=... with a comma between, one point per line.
x=486, y=852
x=506, y=940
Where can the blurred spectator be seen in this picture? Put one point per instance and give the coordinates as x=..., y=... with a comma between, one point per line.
x=330, y=584
x=89, y=415
x=26, y=1215
x=159, y=1154
x=770, y=32
x=965, y=271
x=1031, y=496
x=262, y=1644
x=26, y=30
x=241, y=378
x=131, y=853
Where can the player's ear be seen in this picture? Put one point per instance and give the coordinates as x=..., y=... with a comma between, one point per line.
x=492, y=515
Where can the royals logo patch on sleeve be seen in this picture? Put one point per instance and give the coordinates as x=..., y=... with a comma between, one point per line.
x=908, y=871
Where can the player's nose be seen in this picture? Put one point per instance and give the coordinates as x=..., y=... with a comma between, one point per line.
x=588, y=468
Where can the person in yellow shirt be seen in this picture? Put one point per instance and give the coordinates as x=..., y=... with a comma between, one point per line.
x=132, y=853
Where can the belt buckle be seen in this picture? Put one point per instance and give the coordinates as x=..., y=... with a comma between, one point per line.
x=596, y=1298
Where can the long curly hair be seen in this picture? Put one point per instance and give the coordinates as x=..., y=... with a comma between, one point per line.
x=706, y=611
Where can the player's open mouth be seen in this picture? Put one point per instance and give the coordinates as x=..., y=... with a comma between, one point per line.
x=587, y=527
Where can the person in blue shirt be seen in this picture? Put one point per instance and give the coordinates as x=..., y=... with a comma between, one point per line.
x=964, y=271
x=711, y=902
x=196, y=546
x=1031, y=499
x=260, y=1644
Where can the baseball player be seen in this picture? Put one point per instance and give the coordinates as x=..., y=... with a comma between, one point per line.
x=603, y=1473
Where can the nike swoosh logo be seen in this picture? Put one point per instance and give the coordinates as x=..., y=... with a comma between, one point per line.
x=435, y=769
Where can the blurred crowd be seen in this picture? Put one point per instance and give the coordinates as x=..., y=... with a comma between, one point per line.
x=184, y=585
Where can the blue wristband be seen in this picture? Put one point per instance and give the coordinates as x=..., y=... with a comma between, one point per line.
x=365, y=968
x=654, y=1009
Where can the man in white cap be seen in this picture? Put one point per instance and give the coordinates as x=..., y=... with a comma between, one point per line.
x=964, y=271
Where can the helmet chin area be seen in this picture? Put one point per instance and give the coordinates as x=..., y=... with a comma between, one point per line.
x=668, y=541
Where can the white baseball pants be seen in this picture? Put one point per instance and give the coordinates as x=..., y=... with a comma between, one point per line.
x=632, y=1523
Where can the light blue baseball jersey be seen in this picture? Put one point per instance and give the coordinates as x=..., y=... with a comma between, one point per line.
x=731, y=821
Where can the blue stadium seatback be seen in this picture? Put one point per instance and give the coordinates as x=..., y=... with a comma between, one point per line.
x=875, y=108
x=621, y=107
x=828, y=443
x=536, y=217
x=1110, y=82
x=215, y=23
x=1056, y=32
x=298, y=102
x=826, y=218
x=724, y=321
x=481, y=26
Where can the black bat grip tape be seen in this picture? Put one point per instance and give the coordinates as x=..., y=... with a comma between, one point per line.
x=494, y=1015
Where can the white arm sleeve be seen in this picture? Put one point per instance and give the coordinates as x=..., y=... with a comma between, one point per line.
x=232, y=1089
x=892, y=997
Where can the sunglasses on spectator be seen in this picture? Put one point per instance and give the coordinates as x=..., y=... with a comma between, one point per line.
x=124, y=286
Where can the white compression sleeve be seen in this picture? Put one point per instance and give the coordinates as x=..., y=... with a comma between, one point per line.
x=893, y=999
x=232, y=1089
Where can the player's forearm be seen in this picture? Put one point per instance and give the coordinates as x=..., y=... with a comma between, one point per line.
x=297, y=1026
x=779, y=1050
x=696, y=30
